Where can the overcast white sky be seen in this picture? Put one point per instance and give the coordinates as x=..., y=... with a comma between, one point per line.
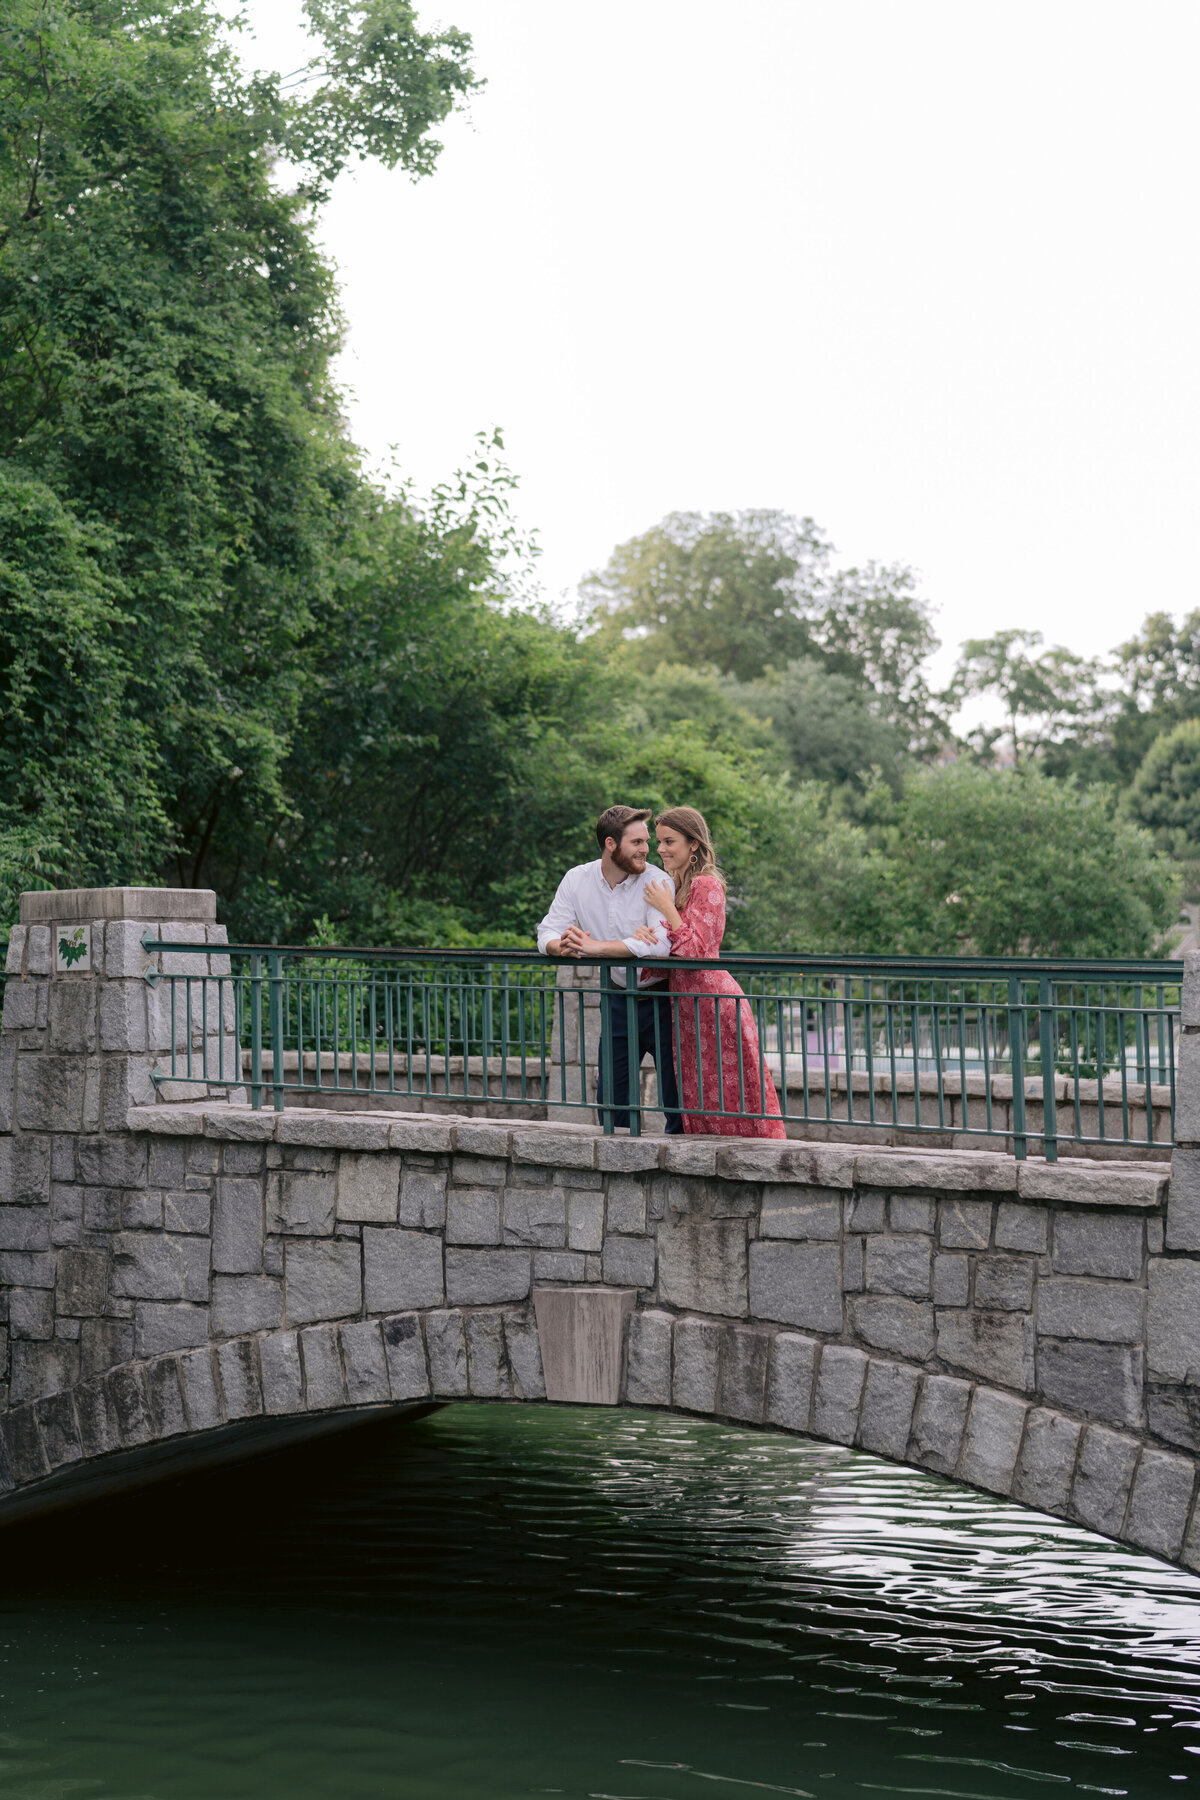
x=925, y=270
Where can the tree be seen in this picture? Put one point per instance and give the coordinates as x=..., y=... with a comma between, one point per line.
x=1046, y=697
x=1004, y=862
x=742, y=592
x=1165, y=792
x=826, y=725
x=166, y=330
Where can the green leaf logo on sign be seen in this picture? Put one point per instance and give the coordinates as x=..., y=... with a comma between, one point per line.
x=73, y=948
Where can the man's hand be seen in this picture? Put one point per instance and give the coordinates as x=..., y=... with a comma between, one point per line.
x=575, y=941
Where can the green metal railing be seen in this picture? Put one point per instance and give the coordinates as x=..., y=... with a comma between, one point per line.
x=1031, y=1052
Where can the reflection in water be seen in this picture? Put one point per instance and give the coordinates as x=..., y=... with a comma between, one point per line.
x=502, y=1602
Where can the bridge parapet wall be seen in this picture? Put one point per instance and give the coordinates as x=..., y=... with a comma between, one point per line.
x=170, y=1272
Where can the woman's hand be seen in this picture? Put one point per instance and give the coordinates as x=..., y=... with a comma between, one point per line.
x=661, y=894
x=646, y=934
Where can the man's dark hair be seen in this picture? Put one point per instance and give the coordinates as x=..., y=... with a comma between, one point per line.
x=615, y=821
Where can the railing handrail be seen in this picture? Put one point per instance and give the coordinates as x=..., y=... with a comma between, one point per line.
x=1128, y=968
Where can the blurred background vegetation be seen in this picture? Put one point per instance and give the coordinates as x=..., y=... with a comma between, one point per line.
x=230, y=659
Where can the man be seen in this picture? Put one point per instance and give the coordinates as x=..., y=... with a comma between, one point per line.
x=596, y=911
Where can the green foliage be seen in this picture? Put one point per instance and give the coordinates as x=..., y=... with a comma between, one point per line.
x=827, y=725
x=1008, y=863
x=1165, y=793
x=1051, y=698
x=743, y=592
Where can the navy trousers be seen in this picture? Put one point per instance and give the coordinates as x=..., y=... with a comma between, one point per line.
x=654, y=1038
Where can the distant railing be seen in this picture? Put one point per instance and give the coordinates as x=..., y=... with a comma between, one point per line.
x=1033, y=1052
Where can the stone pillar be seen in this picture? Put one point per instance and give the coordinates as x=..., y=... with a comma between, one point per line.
x=1183, y=1205
x=83, y=1032
x=574, y=1051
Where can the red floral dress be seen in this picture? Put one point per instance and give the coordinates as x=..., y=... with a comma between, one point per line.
x=699, y=935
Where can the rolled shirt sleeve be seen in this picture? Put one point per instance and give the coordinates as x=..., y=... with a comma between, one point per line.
x=561, y=915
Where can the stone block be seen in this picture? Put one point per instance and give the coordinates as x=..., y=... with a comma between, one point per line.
x=22, y=1441
x=742, y=1393
x=447, y=1346
x=1004, y=1283
x=854, y=1265
x=27, y=1268
x=1112, y=1312
x=237, y=1226
x=564, y=1178
x=524, y=1355
x=486, y=1277
x=144, y=1211
x=702, y=1265
x=1160, y=1502
x=488, y=1374
x=96, y=1419
x=585, y=1221
x=15, y=951
x=237, y=1365
x=423, y=1198
x=800, y=1213
x=368, y=1188
x=993, y=1345
x=322, y=1280
x=1183, y=1200
x=26, y=1005
x=422, y=1134
x=242, y=1303
x=201, y=1395
x=934, y=1173
x=102, y=1209
x=1047, y=1461
x=479, y=1171
x=38, y=959
x=866, y=1212
x=479, y=1138
x=993, y=1441
x=1095, y=1244
x=25, y=1169
x=965, y=1224
x=903, y=1327
x=66, y=1214
x=160, y=1327
x=535, y=1217
x=795, y=1284
x=626, y=1205
x=166, y=1164
x=889, y=1398
x=324, y=1378
x=697, y=1356
x=151, y=1266
x=473, y=1215
x=24, y=1228
x=30, y=1313
x=559, y=1265
x=899, y=1266
x=1095, y=1183
x=60, y=1430
x=300, y=1203
x=332, y=1133
x=404, y=1352
x=766, y=1162
x=128, y=1395
x=188, y=1213
x=1173, y=1320
x=123, y=1016
x=73, y=1018
x=106, y=1342
x=689, y=1156
x=628, y=1262
x=790, y=1379
x=628, y=1153
x=1102, y=1379
x=403, y=1270
x=648, y=1359
x=951, y=1279
x=840, y=1381
x=561, y=1149
x=1155, y=1237
x=1103, y=1476
x=1021, y=1227
x=912, y=1212
x=940, y=1422
x=164, y=1395
x=282, y=1376
x=50, y=1093
x=364, y=1363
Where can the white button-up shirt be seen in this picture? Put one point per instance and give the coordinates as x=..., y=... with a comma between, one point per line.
x=584, y=898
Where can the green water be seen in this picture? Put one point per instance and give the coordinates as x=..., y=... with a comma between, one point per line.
x=499, y=1601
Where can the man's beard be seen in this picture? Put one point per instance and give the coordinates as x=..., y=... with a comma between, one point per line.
x=625, y=860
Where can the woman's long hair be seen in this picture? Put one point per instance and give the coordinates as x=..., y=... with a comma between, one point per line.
x=703, y=860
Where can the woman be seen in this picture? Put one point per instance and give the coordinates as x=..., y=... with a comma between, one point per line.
x=733, y=1080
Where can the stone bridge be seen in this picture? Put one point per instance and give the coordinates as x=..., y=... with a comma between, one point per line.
x=184, y=1279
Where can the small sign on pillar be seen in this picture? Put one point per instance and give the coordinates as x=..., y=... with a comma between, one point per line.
x=73, y=949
